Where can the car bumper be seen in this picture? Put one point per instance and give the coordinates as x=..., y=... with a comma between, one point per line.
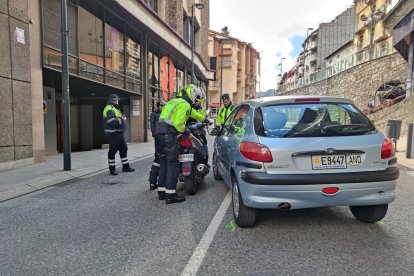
x=310, y=195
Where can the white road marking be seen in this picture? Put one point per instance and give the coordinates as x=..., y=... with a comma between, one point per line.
x=200, y=252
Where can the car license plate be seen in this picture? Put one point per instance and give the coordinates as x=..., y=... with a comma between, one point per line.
x=323, y=162
x=186, y=157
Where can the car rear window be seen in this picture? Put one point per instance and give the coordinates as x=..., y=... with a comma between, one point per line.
x=311, y=120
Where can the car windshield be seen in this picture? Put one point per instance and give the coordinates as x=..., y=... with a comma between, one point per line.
x=311, y=120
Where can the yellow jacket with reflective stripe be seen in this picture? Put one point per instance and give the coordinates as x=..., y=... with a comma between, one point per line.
x=112, y=118
x=176, y=113
x=224, y=113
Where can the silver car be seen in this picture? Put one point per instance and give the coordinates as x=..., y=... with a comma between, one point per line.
x=292, y=152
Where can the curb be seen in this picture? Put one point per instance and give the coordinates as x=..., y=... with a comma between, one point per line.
x=64, y=177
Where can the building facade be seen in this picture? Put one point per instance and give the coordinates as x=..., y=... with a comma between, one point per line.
x=139, y=49
x=237, y=69
x=371, y=38
x=400, y=21
x=335, y=34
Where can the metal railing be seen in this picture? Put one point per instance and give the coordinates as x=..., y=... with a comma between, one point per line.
x=348, y=62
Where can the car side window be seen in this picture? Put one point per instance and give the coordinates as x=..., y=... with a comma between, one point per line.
x=239, y=123
x=228, y=123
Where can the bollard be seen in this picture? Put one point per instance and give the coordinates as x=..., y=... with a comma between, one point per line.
x=393, y=130
x=409, y=153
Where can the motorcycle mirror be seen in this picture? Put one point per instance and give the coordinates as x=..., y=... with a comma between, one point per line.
x=214, y=132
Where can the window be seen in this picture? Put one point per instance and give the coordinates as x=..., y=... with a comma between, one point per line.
x=52, y=38
x=114, y=51
x=186, y=27
x=90, y=45
x=153, y=4
x=311, y=120
x=133, y=62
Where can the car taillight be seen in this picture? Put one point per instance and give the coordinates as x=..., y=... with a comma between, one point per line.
x=256, y=152
x=387, y=149
x=186, y=143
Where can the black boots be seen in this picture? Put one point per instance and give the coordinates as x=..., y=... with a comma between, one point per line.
x=127, y=168
x=175, y=199
x=153, y=186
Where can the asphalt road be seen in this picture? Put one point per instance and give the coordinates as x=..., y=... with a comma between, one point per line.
x=107, y=225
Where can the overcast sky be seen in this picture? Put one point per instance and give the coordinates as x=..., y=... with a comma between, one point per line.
x=276, y=27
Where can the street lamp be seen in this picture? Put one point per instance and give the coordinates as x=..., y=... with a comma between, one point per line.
x=200, y=7
x=281, y=68
x=307, y=31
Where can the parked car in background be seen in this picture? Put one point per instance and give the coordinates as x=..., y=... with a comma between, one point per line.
x=303, y=152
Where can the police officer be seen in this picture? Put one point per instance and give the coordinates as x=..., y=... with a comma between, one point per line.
x=114, y=126
x=225, y=110
x=172, y=122
x=155, y=116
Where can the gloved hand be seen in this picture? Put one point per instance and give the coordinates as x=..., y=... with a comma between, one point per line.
x=186, y=133
x=207, y=121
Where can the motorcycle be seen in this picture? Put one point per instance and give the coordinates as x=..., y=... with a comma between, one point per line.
x=194, y=158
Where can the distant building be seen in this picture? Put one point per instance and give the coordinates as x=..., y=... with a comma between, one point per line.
x=237, y=69
x=335, y=35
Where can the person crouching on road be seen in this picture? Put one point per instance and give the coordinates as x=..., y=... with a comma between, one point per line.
x=114, y=126
x=155, y=116
x=172, y=121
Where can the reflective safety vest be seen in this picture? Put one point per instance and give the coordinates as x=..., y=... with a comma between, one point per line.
x=224, y=113
x=176, y=113
x=112, y=118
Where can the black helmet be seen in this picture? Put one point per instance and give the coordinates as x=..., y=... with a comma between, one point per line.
x=113, y=97
x=225, y=97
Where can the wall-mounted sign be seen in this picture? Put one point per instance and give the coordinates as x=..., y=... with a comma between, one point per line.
x=20, y=35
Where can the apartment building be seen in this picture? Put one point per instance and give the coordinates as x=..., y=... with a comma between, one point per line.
x=372, y=39
x=237, y=70
x=139, y=49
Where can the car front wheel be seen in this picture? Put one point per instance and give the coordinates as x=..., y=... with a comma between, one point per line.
x=243, y=215
x=216, y=173
x=369, y=213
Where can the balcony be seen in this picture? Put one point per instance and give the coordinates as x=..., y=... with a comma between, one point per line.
x=381, y=36
x=362, y=26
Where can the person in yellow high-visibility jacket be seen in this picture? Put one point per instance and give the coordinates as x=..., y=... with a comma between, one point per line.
x=225, y=110
x=172, y=123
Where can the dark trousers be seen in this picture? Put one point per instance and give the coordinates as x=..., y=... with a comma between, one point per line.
x=167, y=147
x=155, y=168
x=117, y=143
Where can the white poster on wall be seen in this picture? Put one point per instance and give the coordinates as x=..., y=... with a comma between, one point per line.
x=20, y=35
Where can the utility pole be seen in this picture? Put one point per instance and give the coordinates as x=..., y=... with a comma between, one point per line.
x=65, y=89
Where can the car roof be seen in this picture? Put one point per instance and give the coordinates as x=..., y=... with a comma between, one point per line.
x=293, y=99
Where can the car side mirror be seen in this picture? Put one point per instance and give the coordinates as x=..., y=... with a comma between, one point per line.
x=214, y=132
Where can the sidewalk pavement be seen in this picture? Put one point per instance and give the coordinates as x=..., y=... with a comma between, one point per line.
x=27, y=179
x=24, y=180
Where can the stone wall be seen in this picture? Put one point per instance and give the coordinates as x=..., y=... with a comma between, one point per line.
x=360, y=83
x=16, y=142
x=174, y=15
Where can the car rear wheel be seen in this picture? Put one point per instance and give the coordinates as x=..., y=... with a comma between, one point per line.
x=369, y=213
x=243, y=215
x=216, y=173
